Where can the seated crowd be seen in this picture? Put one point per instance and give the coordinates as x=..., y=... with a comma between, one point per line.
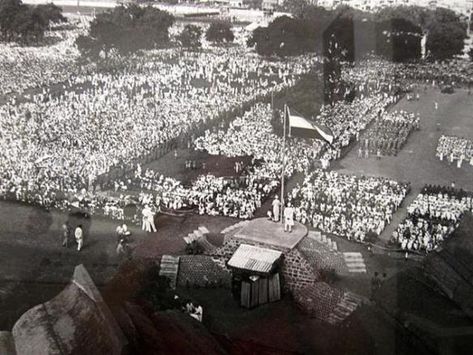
x=432, y=217
x=347, y=205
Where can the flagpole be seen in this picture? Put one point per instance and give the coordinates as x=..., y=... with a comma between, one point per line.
x=283, y=163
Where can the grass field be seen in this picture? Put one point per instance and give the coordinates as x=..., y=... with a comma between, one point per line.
x=417, y=162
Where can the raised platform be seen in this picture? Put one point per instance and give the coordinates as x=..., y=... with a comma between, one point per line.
x=263, y=231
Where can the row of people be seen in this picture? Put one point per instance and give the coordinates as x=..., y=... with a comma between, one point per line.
x=347, y=205
x=432, y=217
x=454, y=148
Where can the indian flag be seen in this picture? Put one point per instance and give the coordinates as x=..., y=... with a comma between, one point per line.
x=303, y=128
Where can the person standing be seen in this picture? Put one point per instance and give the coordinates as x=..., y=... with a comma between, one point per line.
x=79, y=236
x=276, y=209
x=66, y=231
x=123, y=249
x=145, y=225
x=288, y=218
x=148, y=220
x=151, y=220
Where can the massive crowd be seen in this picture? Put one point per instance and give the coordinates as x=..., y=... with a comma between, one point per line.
x=60, y=143
x=347, y=205
x=432, y=217
x=454, y=148
x=28, y=69
x=64, y=127
x=373, y=74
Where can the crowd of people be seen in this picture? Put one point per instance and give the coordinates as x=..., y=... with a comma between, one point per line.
x=28, y=69
x=56, y=144
x=347, y=205
x=454, y=148
x=388, y=133
x=64, y=126
x=432, y=217
x=374, y=74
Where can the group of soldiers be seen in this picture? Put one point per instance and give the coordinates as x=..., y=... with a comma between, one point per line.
x=387, y=135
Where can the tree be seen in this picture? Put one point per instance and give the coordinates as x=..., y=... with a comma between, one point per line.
x=190, y=36
x=49, y=13
x=398, y=39
x=446, y=31
x=284, y=36
x=220, y=32
x=8, y=12
x=445, y=40
x=127, y=29
x=339, y=40
x=24, y=23
x=88, y=47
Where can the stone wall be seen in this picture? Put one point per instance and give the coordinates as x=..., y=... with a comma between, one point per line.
x=297, y=272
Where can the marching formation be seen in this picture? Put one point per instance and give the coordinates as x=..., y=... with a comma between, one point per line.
x=388, y=133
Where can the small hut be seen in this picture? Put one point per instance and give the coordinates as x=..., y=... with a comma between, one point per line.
x=255, y=275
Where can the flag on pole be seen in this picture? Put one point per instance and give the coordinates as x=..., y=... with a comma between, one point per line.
x=303, y=128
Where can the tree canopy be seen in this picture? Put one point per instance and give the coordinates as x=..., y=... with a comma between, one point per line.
x=24, y=23
x=190, y=36
x=220, y=32
x=393, y=32
x=284, y=36
x=126, y=29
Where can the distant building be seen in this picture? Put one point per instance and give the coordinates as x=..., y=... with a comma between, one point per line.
x=269, y=5
x=460, y=6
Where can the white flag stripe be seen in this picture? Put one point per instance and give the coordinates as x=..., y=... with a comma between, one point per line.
x=299, y=122
x=327, y=137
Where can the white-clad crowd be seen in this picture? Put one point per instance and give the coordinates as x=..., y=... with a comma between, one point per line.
x=432, y=217
x=25, y=70
x=347, y=205
x=454, y=148
x=60, y=143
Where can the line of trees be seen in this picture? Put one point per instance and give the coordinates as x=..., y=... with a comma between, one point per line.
x=394, y=33
x=126, y=29
x=26, y=24
x=219, y=32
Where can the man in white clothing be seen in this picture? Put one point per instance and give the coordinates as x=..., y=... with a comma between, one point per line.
x=79, y=236
x=276, y=209
x=288, y=218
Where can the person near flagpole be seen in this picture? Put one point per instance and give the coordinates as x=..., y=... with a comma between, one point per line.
x=288, y=217
x=276, y=209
